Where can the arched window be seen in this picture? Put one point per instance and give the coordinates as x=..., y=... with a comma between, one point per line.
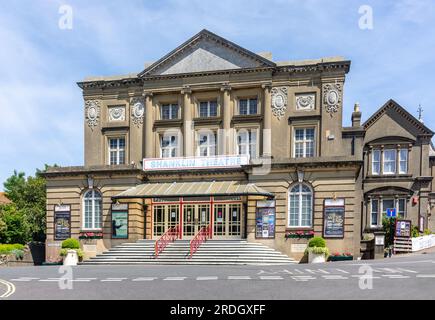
x=300, y=206
x=92, y=209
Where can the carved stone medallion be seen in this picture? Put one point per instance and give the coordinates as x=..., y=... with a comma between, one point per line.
x=117, y=113
x=305, y=101
x=92, y=109
x=279, y=101
x=332, y=97
x=137, y=111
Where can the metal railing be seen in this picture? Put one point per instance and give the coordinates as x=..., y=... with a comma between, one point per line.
x=202, y=235
x=169, y=236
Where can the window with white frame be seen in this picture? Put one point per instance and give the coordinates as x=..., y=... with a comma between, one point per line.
x=300, y=206
x=248, y=106
x=92, y=210
x=247, y=142
x=376, y=162
x=304, y=143
x=379, y=206
x=207, y=109
x=389, y=161
x=403, y=160
x=206, y=144
x=169, y=111
x=389, y=165
x=169, y=145
x=116, y=151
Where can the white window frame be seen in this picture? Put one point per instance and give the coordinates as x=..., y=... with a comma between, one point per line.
x=249, y=144
x=117, y=151
x=304, y=142
x=208, y=109
x=375, y=223
x=169, y=147
x=394, y=162
x=96, y=196
x=171, y=107
x=300, y=194
x=248, y=110
x=378, y=162
x=209, y=145
x=405, y=161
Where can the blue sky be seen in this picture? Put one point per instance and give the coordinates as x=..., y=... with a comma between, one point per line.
x=41, y=106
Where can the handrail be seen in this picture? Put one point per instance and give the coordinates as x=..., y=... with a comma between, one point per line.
x=170, y=235
x=202, y=235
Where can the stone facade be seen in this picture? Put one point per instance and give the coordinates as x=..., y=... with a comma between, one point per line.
x=299, y=139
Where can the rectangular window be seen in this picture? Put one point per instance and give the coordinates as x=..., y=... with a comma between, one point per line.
x=389, y=161
x=248, y=106
x=401, y=208
x=168, y=146
x=206, y=144
x=169, y=111
x=374, y=212
x=403, y=160
x=116, y=151
x=304, y=143
x=207, y=109
x=247, y=142
x=376, y=162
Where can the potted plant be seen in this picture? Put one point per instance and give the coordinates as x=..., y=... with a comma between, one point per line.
x=317, y=250
x=71, y=252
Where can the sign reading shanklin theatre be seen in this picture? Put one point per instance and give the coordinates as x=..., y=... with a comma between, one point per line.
x=186, y=163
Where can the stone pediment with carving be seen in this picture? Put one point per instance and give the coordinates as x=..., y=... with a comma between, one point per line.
x=203, y=53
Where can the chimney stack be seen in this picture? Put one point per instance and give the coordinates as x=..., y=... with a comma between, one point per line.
x=356, y=116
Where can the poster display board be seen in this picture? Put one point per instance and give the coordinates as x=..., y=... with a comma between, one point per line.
x=62, y=222
x=333, y=218
x=403, y=228
x=265, y=220
x=119, y=221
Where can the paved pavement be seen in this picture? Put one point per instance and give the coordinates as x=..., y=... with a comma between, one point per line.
x=410, y=277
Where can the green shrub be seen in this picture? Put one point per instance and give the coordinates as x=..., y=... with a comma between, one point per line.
x=8, y=248
x=19, y=254
x=415, y=232
x=318, y=242
x=427, y=232
x=70, y=243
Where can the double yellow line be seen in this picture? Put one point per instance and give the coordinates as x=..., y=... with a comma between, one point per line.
x=10, y=288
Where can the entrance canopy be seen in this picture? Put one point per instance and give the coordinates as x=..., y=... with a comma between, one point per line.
x=192, y=189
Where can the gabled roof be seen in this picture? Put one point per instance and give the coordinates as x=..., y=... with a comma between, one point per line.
x=205, y=35
x=392, y=105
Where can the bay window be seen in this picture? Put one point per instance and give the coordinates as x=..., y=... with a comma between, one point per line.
x=389, y=161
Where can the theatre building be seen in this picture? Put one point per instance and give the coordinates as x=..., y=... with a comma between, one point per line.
x=215, y=137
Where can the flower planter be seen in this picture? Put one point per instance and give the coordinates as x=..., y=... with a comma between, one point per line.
x=71, y=258
x=316, y=257
x=340, y=258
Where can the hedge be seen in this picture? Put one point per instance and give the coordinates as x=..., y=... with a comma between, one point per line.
x=8, y=248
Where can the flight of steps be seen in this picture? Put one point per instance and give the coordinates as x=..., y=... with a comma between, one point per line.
x=212, y=252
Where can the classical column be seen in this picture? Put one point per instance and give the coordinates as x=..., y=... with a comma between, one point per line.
x=267, y=124
x=149, y=122
x=187, y=122
x=226, y=137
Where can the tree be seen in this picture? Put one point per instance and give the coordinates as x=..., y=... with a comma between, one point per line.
x=29, y=197
x=16, y=228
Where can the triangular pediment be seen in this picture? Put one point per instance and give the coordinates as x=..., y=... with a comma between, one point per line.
x=398, y=121
x=206, y=52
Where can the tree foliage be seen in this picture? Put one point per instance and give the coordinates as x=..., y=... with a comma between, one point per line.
x=27, y=212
